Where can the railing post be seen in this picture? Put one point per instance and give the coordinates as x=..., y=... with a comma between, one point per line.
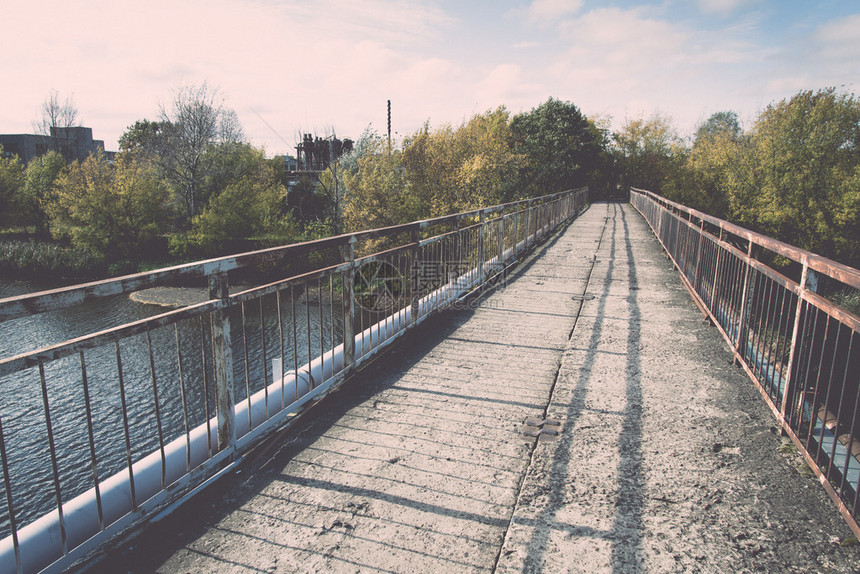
x=697, y=278
x=348, y=308
x=457, y=256
x=715, y=288
x=481, y=247
x=662, y=211
x=516, y=230
x=223, y=356
x=796, y=347
x=528, y=222
x=541, y=219
x=746, y=304
x=415, y=279
x=502, y=239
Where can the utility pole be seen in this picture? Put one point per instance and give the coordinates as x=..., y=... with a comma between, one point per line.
x=389, y=127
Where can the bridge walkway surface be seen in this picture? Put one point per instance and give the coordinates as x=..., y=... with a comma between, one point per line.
x=667, y=459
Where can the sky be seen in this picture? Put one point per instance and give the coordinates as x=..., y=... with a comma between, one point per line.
x=288, y=67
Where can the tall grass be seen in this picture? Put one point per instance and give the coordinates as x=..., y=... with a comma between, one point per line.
x=38, y=259
x=848, y=299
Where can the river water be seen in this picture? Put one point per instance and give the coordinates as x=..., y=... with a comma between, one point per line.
x=183, y=402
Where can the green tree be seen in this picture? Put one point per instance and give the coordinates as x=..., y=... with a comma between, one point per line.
x=458, y=169
x=648, y=152
x=561, y=148
x=306, y=204
x=247, y=204
x=197, y=120
x=112, y=210
x=12, y=178
x=806, y=170
x=39, y=188
x=488, y=169
x=242, y=211
x=725, y=123
x=332, y=195
x=703, y=181
x=143, y=136
x=377, y=193
x=430, y=163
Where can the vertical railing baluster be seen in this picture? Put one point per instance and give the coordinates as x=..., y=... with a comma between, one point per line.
x=332, y=342
x=527, y=242
x=91, y=440
x=481, y=239
x=827, y=393
x=321, y=327
x=415, y=276
x=715, y=295
x=515, y=251
x=852, y=431
x=700, y=233
x=790, y=378
x=349, y=308
x=126, y=430
x=308, y=326
x=159, y=428
x=783, y=340
x=817, y=386
x=746, y=305
x=248, y=367
x=183, y=398
x=7, y=486
x=501, y=260
x=204, y=369
x=294, y=322
x=282, y=346
x=840, y=402
x=264, y=354
x=770, y=337
x=53, y=453
x=459, y=264
x=760, y=327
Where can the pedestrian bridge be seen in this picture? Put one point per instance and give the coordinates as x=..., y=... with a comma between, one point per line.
x=550, y=399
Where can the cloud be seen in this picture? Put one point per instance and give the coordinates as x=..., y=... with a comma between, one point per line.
x=548, y=11
x=839, y=40
x=724, y=7
x=625, y=62
x=303, y=62
x=505, y=84
x=291, y=65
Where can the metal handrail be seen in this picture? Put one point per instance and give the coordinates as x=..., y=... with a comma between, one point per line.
x=800, y=348
x=189, y=391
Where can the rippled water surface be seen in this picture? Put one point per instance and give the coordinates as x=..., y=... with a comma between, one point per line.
x=141, y=367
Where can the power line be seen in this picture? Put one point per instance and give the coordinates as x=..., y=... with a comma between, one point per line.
x=270, y=127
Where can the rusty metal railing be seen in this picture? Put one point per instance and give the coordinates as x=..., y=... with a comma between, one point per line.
x=774, y=305
x=106, y=429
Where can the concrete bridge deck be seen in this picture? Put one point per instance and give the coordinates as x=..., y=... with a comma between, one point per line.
x=667, y=459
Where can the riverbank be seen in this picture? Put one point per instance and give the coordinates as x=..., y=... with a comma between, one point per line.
x=44, y=261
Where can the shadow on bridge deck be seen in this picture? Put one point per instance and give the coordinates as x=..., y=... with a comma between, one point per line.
x=664, y=459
